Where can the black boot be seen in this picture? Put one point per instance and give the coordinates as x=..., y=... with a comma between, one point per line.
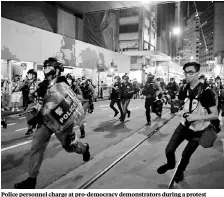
x=148, y=123
x=164, y=168
x=29, y=131
x=29, y=183
x=82, y=131
x=116, y=112
x=179, y=176
x=3, y=123
x=129, y=113
x=86, y=154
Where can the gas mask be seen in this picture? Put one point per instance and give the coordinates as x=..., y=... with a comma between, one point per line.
x=49, y=71
x=202, y=80
x=69, y=81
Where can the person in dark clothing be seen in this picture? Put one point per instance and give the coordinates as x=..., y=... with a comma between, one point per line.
x=173, y=89
x=55, y=117
x=151, y=90
x=28, y=88
x=91, y=107
x=195, y=117
x=88, y=98
x=77, y=90
x=162, y=84
x=127, y=92
x=115, y=96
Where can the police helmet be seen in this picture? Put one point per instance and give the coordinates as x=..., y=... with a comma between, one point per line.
x=84, y=78
x=53, y=62
x=117, y=77
x=218, y=78
x=125, y=77
x=33, y=72
x=202, y=76
x=150, y=77
x=69, y=76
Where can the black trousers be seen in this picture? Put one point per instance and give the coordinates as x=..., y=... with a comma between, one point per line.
x=118, y=102
x=180, y=134
x=148, y=106
x=124, y=104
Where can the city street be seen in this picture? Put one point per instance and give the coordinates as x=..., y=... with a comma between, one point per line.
x=109, y=139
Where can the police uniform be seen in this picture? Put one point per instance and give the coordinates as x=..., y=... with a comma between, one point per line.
x=127, y=92
x=115, y=98
x=59, y=112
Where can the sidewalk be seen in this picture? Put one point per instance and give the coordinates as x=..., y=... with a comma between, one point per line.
x=138, y=170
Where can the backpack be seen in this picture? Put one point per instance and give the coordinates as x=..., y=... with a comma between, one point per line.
x=202, y=88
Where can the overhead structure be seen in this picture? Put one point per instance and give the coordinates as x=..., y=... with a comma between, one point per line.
x=152, y=55
x=84, y=7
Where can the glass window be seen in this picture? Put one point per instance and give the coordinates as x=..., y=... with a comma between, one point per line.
x=128, y=28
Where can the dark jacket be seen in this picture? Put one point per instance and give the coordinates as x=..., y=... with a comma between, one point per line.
x=150, y=89
x=115, y=93
x=127, y=90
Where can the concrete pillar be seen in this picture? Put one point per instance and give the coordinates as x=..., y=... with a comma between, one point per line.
x=9, y=69
x=140, y=29
x=35, y=66
x=117, y=46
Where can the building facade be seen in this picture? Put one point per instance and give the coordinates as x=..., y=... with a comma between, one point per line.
x=191, y=39
x=137, y=28
x=165, y=21
x=212, y=37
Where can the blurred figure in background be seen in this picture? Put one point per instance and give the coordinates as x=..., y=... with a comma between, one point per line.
x=16, y=95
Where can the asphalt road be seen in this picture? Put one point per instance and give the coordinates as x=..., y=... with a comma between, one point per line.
x=102, y=132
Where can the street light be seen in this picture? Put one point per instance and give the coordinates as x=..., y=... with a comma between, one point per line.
x=175, y=31
x=112, y=70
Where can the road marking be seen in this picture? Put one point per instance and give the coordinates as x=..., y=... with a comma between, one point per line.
x=104, y=109
x=11, y=124
x=14, y=115
x=104, y=105
x=14, y=146
x=21, y=129
x=23, y=143
x=22, y=118
x=133, y=108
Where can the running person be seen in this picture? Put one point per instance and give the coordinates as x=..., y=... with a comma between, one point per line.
x=61, y=118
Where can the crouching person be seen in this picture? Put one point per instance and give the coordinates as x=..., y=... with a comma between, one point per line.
x=198, y=110
x=56, y=112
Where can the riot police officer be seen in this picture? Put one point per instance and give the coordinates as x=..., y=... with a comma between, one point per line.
x=51, y=109
x=127, y=92
x=28, y=88
x=88, y=97
x=115, y=96
x=151, y=90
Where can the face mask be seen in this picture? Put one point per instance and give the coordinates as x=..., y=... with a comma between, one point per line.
x=202, y=80
x=191, y=78
x=69, y=81
x=30, y=76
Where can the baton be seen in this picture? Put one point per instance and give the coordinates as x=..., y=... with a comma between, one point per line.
x=26, y=112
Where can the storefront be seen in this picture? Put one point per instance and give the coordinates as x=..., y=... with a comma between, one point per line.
x=155, y=62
